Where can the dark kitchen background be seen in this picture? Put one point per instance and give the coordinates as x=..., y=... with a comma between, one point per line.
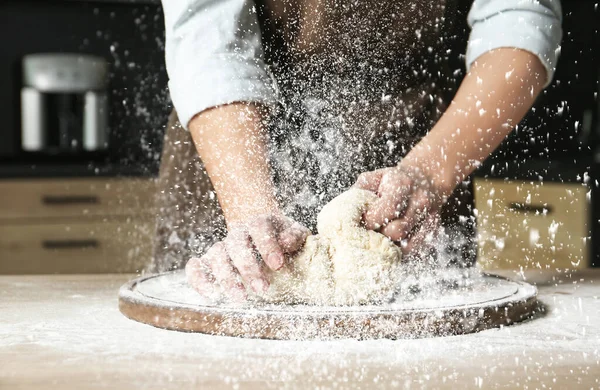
x=130, y=37
x=559, y=141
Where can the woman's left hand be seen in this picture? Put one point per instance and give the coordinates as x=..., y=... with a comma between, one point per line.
x=408, y=209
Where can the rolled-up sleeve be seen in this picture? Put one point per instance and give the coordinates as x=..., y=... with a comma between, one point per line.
x=531, y=25
x=214, y=55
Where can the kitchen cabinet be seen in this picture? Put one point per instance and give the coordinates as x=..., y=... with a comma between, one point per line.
x=532, y=225
x=88, y=225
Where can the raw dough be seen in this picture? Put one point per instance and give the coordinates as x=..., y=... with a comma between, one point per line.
x=345, y=264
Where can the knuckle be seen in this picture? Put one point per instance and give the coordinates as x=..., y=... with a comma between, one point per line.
x=217, y=247
x=388, y=179
x=363, y=179
x=243, y=257
x=260, y=222
x=204, y=263
x=267, y=249
x=263, y=236
x=193, y=270
x=271, y=245
x=420, y=201
x=220, y=270
x=238, y=230
x=216, y=253
x=297, y=234
x=254, y=225
x=212, y=253
x=422, y=206
x=232, y=244
x=404, y=224
x=249, y=270
x=236, y=235
x=286, y=236
x=297, y=231
x=193, y=262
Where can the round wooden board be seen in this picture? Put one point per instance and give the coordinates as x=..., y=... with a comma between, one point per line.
x=166, y=301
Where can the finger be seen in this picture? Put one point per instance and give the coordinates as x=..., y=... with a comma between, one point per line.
x=264, y=237
x=394, y=193
x=223, y=272
x=424, y=236
x=370, y=180
x=198, y=276
x=293, y=238
x=415, y=213
x=397, y=230
x=240, y=250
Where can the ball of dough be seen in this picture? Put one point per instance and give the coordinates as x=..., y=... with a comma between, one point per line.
x=345, y=264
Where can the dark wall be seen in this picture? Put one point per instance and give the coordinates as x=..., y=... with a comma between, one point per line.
x=130, y=36
x=562, y=127
x=562, y=132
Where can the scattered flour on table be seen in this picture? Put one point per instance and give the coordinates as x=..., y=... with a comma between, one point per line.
x=41, y=318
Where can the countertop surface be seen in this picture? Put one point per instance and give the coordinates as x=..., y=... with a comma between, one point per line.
x=66, y=332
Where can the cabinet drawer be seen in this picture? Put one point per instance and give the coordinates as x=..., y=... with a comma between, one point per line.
x=43, y=198
x=524, y=225
x=87, y=247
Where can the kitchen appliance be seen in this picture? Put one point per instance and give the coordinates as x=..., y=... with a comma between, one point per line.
x=130, y=37
x=64, y=105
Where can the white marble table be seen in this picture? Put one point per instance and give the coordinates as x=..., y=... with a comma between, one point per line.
x=66, y=332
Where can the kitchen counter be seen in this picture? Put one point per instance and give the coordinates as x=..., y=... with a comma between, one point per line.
x=66, y=332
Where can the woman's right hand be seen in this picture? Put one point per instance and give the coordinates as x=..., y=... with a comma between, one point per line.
x=232, y=143
x=241, y=259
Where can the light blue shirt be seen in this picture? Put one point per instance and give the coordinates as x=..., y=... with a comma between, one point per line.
x=214, y=53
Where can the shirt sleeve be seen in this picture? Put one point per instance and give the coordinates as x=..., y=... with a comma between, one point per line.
x=531, y=25
x=214, y=55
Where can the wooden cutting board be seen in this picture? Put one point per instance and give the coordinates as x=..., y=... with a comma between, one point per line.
x=166, y=301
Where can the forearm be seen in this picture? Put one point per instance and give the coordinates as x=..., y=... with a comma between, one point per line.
x=496, y=94
x=232, y=144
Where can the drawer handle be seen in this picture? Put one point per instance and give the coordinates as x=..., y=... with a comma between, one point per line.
x=62, y=200
x=70, y=244
x=530, y=208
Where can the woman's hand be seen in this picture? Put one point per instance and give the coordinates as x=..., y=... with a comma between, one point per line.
x=494, y=96
x=241, y=259
x=408, y=207
x=231, y=141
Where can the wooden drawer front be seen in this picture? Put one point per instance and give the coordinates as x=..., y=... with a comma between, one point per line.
x=45, y=198
x=531, y=225
x=87, y=247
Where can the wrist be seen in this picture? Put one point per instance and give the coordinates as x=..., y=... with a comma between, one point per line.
x=439, y=174
x=242, y=206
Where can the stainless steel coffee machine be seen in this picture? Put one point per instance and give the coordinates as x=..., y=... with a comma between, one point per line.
x=64, y=106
